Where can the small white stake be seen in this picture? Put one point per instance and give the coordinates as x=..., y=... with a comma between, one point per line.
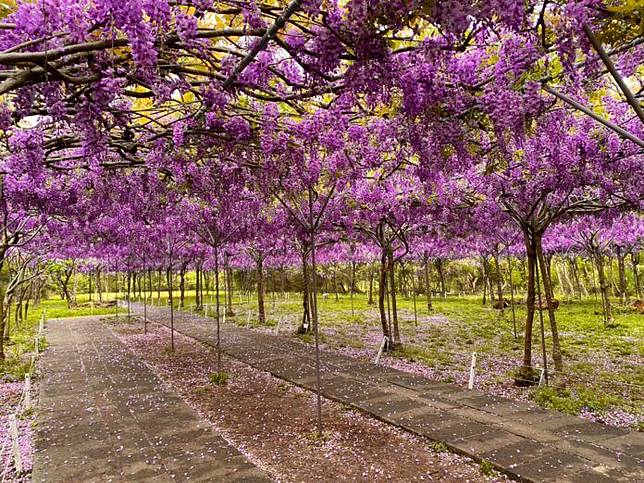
x=224, y=320
x=36, y=344
x=27, y=403
x=15, y=446
x=248, y=320
x=542, y=377
x=206, y=312
x=382, y=348
x=472, y=366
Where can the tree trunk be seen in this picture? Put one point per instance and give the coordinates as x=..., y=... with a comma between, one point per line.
x=352, y=284
x=18, y=315
x=306, y=311
x=563, y=292
x=636, y=276
x=171, y=300
x=428, y=285
x=127, y=296
x=150, y=289
x=611, y=279
x=499, y=280
x=526, y=369
x=182, y=284
x=604, y=288
x=99, y=285
x=441, y=276
x=335, y=284
x=261, y=313
x=621, y=266
x=570, y=286
x=547, y=288
x=514, y=314
x=382, y=288
x=229, y=286
x=27, y=300
x=574, y=269
x=414, y=293
x=486, y=278
x=146, y=290
x=217, y=311
x=2, y=318
x=159, y=287
x=394, y=307
x=370, y=298
x=197, y=283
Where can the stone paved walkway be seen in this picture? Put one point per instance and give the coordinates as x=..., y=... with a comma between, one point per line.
x=104, y=416
x=527, y=443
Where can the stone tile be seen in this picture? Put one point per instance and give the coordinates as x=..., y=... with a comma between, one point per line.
x=514, y=454
x=427, y=423
x=631, y=444
x=484, y=442
x=410, y=381
x=458, y=431
x=551, y=466
x=589, y=431
x=388, y=408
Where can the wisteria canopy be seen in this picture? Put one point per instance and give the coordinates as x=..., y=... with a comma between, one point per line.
x=149, y=134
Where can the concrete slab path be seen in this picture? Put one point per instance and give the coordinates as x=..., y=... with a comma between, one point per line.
x=525, y=442
x=103, y=415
